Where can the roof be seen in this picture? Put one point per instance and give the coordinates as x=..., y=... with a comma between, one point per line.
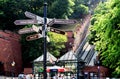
x=86, y=53
x=69, y=56
x=50, y=57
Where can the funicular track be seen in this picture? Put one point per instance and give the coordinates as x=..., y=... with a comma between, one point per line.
x=82, y=49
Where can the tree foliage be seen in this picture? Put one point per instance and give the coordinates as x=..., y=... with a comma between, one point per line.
x=57, y=42
x=10, y=10
x=62, y=9
x=80, y=11
x=105, y=34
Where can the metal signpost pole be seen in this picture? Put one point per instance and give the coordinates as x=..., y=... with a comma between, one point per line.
x=44, y=36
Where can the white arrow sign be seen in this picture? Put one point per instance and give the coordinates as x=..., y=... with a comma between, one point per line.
x=56, y=21
x=64, y=21
x=33, y=16
x=25, y=30
x=36, y=29
x=29, y=30
x=30, y=15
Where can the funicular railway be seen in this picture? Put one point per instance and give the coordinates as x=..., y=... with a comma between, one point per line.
x=86, y=53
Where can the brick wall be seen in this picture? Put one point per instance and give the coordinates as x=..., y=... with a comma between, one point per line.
x=10, y=50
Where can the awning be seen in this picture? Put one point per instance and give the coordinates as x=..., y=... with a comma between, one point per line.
x=55, y=69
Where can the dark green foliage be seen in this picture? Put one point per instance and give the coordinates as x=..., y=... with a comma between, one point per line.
x=61, y=9
x=31, y=49
x=80, y=11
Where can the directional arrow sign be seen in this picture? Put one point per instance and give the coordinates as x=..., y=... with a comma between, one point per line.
x=25, y=22
x=37, y=29
x=56, y=21
x=33, y=37
x=39, y=20
x=63, y=21
x=57, y=31
x=25, y=30
x=30, y=15
x=28, y=30
x=36, y=36
x=33, y=16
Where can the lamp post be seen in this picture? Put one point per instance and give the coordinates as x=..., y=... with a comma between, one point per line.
x=13, y=64
x=98, y=72
x=98, y=67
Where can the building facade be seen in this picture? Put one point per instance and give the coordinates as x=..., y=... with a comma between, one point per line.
x=10, y=53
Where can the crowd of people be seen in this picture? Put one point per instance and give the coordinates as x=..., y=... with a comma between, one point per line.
x=27, y=76
x=59, y=76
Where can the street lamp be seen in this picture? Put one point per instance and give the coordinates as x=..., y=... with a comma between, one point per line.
x=98, y=72
x=98, y=67
x=13, y=64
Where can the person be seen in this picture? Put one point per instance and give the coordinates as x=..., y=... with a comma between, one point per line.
x=29, y=76
x=21, y=76
x=73, y=77
x=60, y=77
x=63, y=77
x=55, y=77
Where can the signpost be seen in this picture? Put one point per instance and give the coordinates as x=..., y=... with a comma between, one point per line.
x=57, y=31
x=25, y=30
x=30, y=15
x=25, y=22
x=45, y=42
x=35, y=19
x=33, y=37
x=63, y=21
x=29, y=30
x=37, y=29
x=33, y=16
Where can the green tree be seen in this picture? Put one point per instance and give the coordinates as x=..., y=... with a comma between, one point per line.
x=61, y=9
x=11, y=10
x=80, y=11
x=57, y=42
x=105, y=34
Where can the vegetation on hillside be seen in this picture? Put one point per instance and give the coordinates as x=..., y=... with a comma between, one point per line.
x=105, y=34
